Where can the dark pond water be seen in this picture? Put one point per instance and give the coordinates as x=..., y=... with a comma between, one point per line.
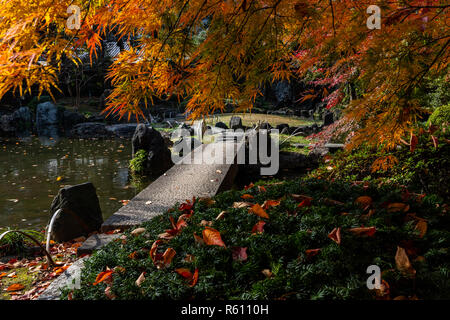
x=32, y=170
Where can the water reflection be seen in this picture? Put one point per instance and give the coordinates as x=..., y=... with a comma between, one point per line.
x=32, y=170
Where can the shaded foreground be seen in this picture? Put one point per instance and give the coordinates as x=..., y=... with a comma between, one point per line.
x=308, y=239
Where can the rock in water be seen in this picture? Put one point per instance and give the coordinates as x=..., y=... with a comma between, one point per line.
x=328, y=118
x=159, y=156
x=236, y=123
x=48, y=114
x=221, y=125
x=81, y=213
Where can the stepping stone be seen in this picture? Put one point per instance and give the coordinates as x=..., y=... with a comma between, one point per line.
x=180, y=183
x=95, y=242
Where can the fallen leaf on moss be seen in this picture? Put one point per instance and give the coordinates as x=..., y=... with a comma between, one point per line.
x=422, y=227
x=270, y=203
x=140, y=279
x=247, y=196
x=103, y=276
x=397, y=207
x=15, y=287
x=109, y=294
x=168, y=256
x=198, y=239
x=335, y=235
x=332, y=202
x=364, y=201
x=212, y=237
x=312, y=252
x=205, y=223
x=259, y=211
x=258, y=227
x=363, y=231
x=239, y=253
x=267, y=273
x=402, y=262
x=261, y=189
x=304, y=203
x=238, y=205
x=221, y=215
x=300, y=197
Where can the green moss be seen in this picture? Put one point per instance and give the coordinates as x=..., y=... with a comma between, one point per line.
x=440, y=116
x=137, y=164
x=337, y=272
x=22, y=277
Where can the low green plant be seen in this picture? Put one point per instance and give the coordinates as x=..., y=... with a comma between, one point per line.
x=16, y=243
x=278, y=264
x=440, y=116
x=137, y=164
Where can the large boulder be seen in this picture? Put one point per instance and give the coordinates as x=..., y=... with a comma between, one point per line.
x=280, y=127
x=71, y=119
x=221, y=125
x=283, y=92
x=125, y=130
x=90, y=130
x=150, y=140
x=48, y=114
x=328, y=118
x=7, y=127
x=22, y=119
x=236, y=122
x=81, y=213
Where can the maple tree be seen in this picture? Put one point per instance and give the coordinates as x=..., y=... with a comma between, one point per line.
x=216, y=52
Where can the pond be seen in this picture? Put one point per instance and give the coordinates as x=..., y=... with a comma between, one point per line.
x=32, y=170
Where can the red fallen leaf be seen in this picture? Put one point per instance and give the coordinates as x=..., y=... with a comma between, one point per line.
x=247, y=196
x=212, y=237
x=132, y=255
x=261, y=189
x=168, y=256
x=335, y=235
x=239, y=253
x=258, y=227
x=251, y=185
x=15, y=287
x=3, y=267
x=270, y=203
x=103, y=276
x=153, y=249
x=312, y=252
x=435, y=141
x=3, y=274
x=304, y=203
x=363, y=231
x=413, y=142
x=185, y=273
x=259, y=211
x=12, y=261
x=194, y=279
x=187, y=206
x=60, y=270
x=198, y=239
x=383, y=292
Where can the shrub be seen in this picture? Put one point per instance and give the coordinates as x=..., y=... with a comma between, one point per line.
x=278, y=265
x=137, y=164
x=440, y=115
x=426, y=169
